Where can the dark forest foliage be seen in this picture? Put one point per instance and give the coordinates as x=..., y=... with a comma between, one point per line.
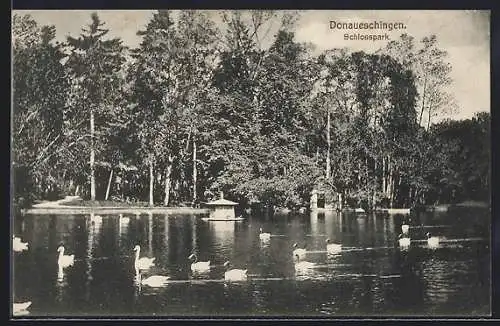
x=197, y=109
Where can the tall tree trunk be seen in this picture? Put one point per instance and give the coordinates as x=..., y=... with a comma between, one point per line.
x=168, y=181
x=151, y=183
x=389, y=177
x=416, y=193
x=375, y=182
x=92, y=156
x=422, y=108
x=384, y=190
x=195, y=172
x=374, y=200
x=64, y=183
x=109, y=184
x=392, y=188
x=366, y=171
x=329, y=145
x=398, y=189
x=122, y=186
x=359, y=175
x=429, y=118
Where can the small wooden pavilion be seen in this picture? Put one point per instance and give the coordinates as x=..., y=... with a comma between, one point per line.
x=222, y=209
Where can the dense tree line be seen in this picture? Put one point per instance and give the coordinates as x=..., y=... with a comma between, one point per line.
x=198, y=108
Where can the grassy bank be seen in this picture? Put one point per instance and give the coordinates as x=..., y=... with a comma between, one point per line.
x=111, y=203
x=105, y=203
x=80, y=206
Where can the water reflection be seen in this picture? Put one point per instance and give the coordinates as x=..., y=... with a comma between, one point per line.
x=305, y=271
x=150, y=233
x=88, y=262
x=223, y=234
x=260, y=295
x=314, y=223
x=61, y=285
x=437, y=274
x=361, y=228
x=123, y=226
x=194, y=236
x=369, y=276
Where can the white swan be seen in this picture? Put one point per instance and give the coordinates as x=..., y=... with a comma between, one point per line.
x=18, y=245
x=235, y=274
x=404, y=242
x=405, y=228
x=264, y=236
x=60, y=274
x=303, y=265
x=199, y=266
x=124, y=219
x=432, y=242
x=64, y=260
x=144, y=262
x=301, y=252
x=333, y=248
x=155, y=281
x=20, y=308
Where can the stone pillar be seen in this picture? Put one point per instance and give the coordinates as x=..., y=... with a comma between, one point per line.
x=314, y=200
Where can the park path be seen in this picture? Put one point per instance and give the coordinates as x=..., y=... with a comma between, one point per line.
x=56, y=203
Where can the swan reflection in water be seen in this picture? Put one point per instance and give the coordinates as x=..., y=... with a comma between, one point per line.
x=313, y=272
x=63, y=262
x=150, y=282
x=61, y=284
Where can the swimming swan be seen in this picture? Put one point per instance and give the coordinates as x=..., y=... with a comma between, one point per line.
x=432, y=242
x=64, y=260
x=235, y=274
x=144, y=262
x=301, y=252
x=303, y=265
x=333, y=248
x=18, y=245
x=124, y=219
x=264, y=236
x=199, y=266
x=404, y=242
x=20, y=308
x=155, y=281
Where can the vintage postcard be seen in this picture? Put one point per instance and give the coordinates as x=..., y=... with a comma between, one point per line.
x=250, y=163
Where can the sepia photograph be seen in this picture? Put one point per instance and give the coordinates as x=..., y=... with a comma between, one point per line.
x=250, y=163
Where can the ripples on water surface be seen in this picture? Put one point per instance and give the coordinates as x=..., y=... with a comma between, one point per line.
x=370, y=277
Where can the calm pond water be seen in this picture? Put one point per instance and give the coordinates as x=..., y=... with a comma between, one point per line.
x=370, y=277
